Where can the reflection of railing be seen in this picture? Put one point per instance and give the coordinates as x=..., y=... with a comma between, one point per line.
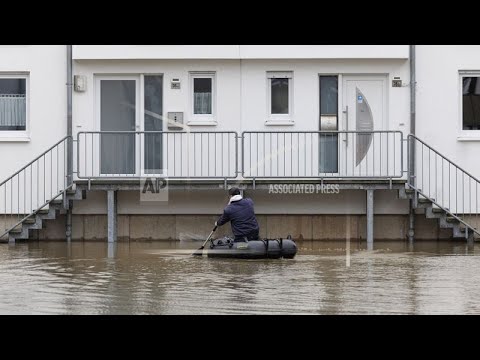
x=444, y=183
x=322, y=154
x=34, y=186
x=176, y=154
x=12, y=110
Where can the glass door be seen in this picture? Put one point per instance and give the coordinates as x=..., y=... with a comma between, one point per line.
x=152, y=143
x=118, y=113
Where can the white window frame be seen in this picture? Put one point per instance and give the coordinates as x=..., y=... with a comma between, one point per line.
x=18, y=135
x=202, y=119
x=280, y=119
x=465, y=135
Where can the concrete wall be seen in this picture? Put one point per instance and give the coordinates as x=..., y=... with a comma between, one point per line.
x=187, y=228
x=205, y=202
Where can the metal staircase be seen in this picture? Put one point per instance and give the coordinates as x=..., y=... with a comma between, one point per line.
x=431, y=211
x=443, y=190
x=37, y=192
x=37, y=219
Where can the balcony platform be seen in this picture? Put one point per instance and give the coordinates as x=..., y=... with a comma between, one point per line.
x=260, y=184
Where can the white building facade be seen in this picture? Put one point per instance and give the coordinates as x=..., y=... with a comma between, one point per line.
x=239, y=115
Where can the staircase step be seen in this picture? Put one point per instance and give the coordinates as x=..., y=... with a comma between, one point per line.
x=424, y=200
x=34, y=226
x=437, y=210
x=430, y=214
x=30, y=220
x=451, y=219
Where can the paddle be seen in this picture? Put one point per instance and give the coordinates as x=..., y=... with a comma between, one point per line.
x=199, y=252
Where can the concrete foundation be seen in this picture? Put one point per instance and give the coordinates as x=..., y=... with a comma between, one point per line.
x=197, y=227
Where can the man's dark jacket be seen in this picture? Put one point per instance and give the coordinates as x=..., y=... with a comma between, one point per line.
x=242, y=216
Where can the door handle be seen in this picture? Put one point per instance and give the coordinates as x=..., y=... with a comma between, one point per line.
x=346, y=124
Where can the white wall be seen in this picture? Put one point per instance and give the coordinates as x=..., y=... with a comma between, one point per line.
x=92, y=52
x=227, y=79
x=306, y=90
x=47, y=99
x=439, y=120
x=241, y=106
x=242, y=89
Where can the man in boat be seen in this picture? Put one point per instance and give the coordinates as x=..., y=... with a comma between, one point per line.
x=240, y=213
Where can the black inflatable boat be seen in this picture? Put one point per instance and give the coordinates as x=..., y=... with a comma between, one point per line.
x=253, y=249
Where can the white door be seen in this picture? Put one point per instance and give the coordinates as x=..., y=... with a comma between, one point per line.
x=117, y=117
x=129, y=104
x=365, y=154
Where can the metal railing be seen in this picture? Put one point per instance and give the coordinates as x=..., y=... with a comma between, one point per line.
x=176, y=155
x=322, y=154
x=444, y=183
x=34, y=186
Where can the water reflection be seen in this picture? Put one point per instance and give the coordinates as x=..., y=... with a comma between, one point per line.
x=162, y=278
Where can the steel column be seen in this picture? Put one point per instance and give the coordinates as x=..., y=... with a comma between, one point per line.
x=68, y=222
x=370, y=210
x=112, y=215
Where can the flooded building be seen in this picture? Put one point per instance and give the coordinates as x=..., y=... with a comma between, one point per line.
x=330, y=141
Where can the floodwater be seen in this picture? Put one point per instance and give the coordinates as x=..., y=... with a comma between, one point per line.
x=162, y=278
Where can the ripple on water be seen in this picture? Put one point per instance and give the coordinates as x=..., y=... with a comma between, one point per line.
x=150, y=278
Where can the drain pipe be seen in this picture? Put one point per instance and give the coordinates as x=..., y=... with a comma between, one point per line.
x=68, y=220
x=411, y=145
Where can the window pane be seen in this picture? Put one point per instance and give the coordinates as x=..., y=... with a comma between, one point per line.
x=279, y=96
x=202, y=96
x=328, y=153
x=328, y=95
x=153, y=122
x=13, y=104
x=471, y=103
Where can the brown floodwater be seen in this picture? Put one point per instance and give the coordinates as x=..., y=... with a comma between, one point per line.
x=162, y=278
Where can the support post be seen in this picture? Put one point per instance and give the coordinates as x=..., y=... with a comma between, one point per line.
x=470, y=237
x=370, y=209
x=68, y=222
x=411, y=221
x=112, y=215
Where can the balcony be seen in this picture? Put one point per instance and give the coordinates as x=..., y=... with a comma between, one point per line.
x=250, y=156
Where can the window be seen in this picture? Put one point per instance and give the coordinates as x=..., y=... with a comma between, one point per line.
x=13, y=103
x=471, y=102
x=203, y=98
x=328, y=146
x=280, y=95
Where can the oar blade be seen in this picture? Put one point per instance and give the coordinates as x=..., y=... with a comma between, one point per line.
x=198, y=252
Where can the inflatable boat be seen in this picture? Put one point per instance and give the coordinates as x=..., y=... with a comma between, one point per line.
x=253, y=249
